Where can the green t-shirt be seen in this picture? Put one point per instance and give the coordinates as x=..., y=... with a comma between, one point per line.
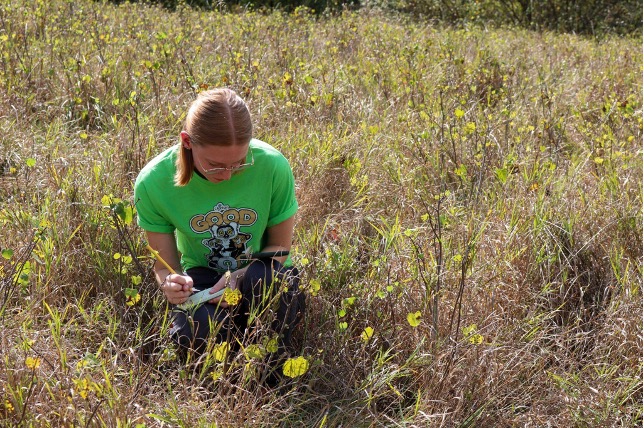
x=215, y=224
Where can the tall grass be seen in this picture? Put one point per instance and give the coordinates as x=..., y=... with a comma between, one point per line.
x=470, y=231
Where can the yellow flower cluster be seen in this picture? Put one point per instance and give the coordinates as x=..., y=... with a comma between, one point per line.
x=232, y=297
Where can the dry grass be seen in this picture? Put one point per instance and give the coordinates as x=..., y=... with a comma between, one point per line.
x=489, y=180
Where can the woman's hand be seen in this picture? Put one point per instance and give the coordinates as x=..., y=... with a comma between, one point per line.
x=177, y=288
x=226, y=281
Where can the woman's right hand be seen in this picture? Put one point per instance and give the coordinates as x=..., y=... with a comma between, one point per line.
x=177, y=288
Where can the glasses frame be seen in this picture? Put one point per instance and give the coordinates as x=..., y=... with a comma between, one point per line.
x=232, y=169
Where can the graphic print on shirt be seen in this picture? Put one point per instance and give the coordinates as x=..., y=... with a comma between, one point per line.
x=227, y=241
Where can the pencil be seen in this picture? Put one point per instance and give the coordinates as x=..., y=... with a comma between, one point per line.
x=159, y=258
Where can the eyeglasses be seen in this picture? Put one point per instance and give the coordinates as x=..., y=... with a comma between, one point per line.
x=232, y=169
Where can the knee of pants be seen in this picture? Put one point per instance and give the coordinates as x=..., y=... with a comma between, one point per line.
x=264, y=271
x=292, y=306
x=195, y=326
x=258, y=274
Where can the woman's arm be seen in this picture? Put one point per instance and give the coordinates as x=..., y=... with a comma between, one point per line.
x=280, y=237
x=166, y=245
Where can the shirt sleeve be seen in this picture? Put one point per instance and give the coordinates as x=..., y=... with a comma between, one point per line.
x=283, y=201
x=148, y=217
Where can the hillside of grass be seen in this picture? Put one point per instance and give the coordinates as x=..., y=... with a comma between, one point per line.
x=469, y=232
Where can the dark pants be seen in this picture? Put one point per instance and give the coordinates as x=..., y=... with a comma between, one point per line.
x=266, y=286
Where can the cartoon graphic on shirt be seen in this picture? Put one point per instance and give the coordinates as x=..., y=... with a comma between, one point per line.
x=227, y=242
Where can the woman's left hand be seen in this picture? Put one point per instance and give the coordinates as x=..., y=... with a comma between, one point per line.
x=231, y=282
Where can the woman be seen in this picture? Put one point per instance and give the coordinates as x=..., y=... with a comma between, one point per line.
x=208, y=203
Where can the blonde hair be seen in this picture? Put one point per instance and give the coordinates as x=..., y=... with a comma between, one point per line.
x=218, y=117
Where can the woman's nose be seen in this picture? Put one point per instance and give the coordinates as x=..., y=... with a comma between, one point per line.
x=225, y=175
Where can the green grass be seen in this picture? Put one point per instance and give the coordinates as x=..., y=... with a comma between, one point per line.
x=483, y=183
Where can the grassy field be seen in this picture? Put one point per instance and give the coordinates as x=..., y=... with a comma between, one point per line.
x=470, y=231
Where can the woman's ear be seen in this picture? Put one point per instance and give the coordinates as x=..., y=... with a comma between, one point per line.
x=185, y=140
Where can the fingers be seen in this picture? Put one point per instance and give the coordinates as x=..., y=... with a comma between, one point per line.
x=230, y=280
x=177, y=288
x=174, y=282
x=218, y=286
x=218, y=301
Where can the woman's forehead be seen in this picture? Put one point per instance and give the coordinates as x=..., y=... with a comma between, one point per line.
x=224, y=154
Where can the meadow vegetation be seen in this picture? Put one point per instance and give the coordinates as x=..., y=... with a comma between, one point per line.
x=590, y=17
x=470, y=230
